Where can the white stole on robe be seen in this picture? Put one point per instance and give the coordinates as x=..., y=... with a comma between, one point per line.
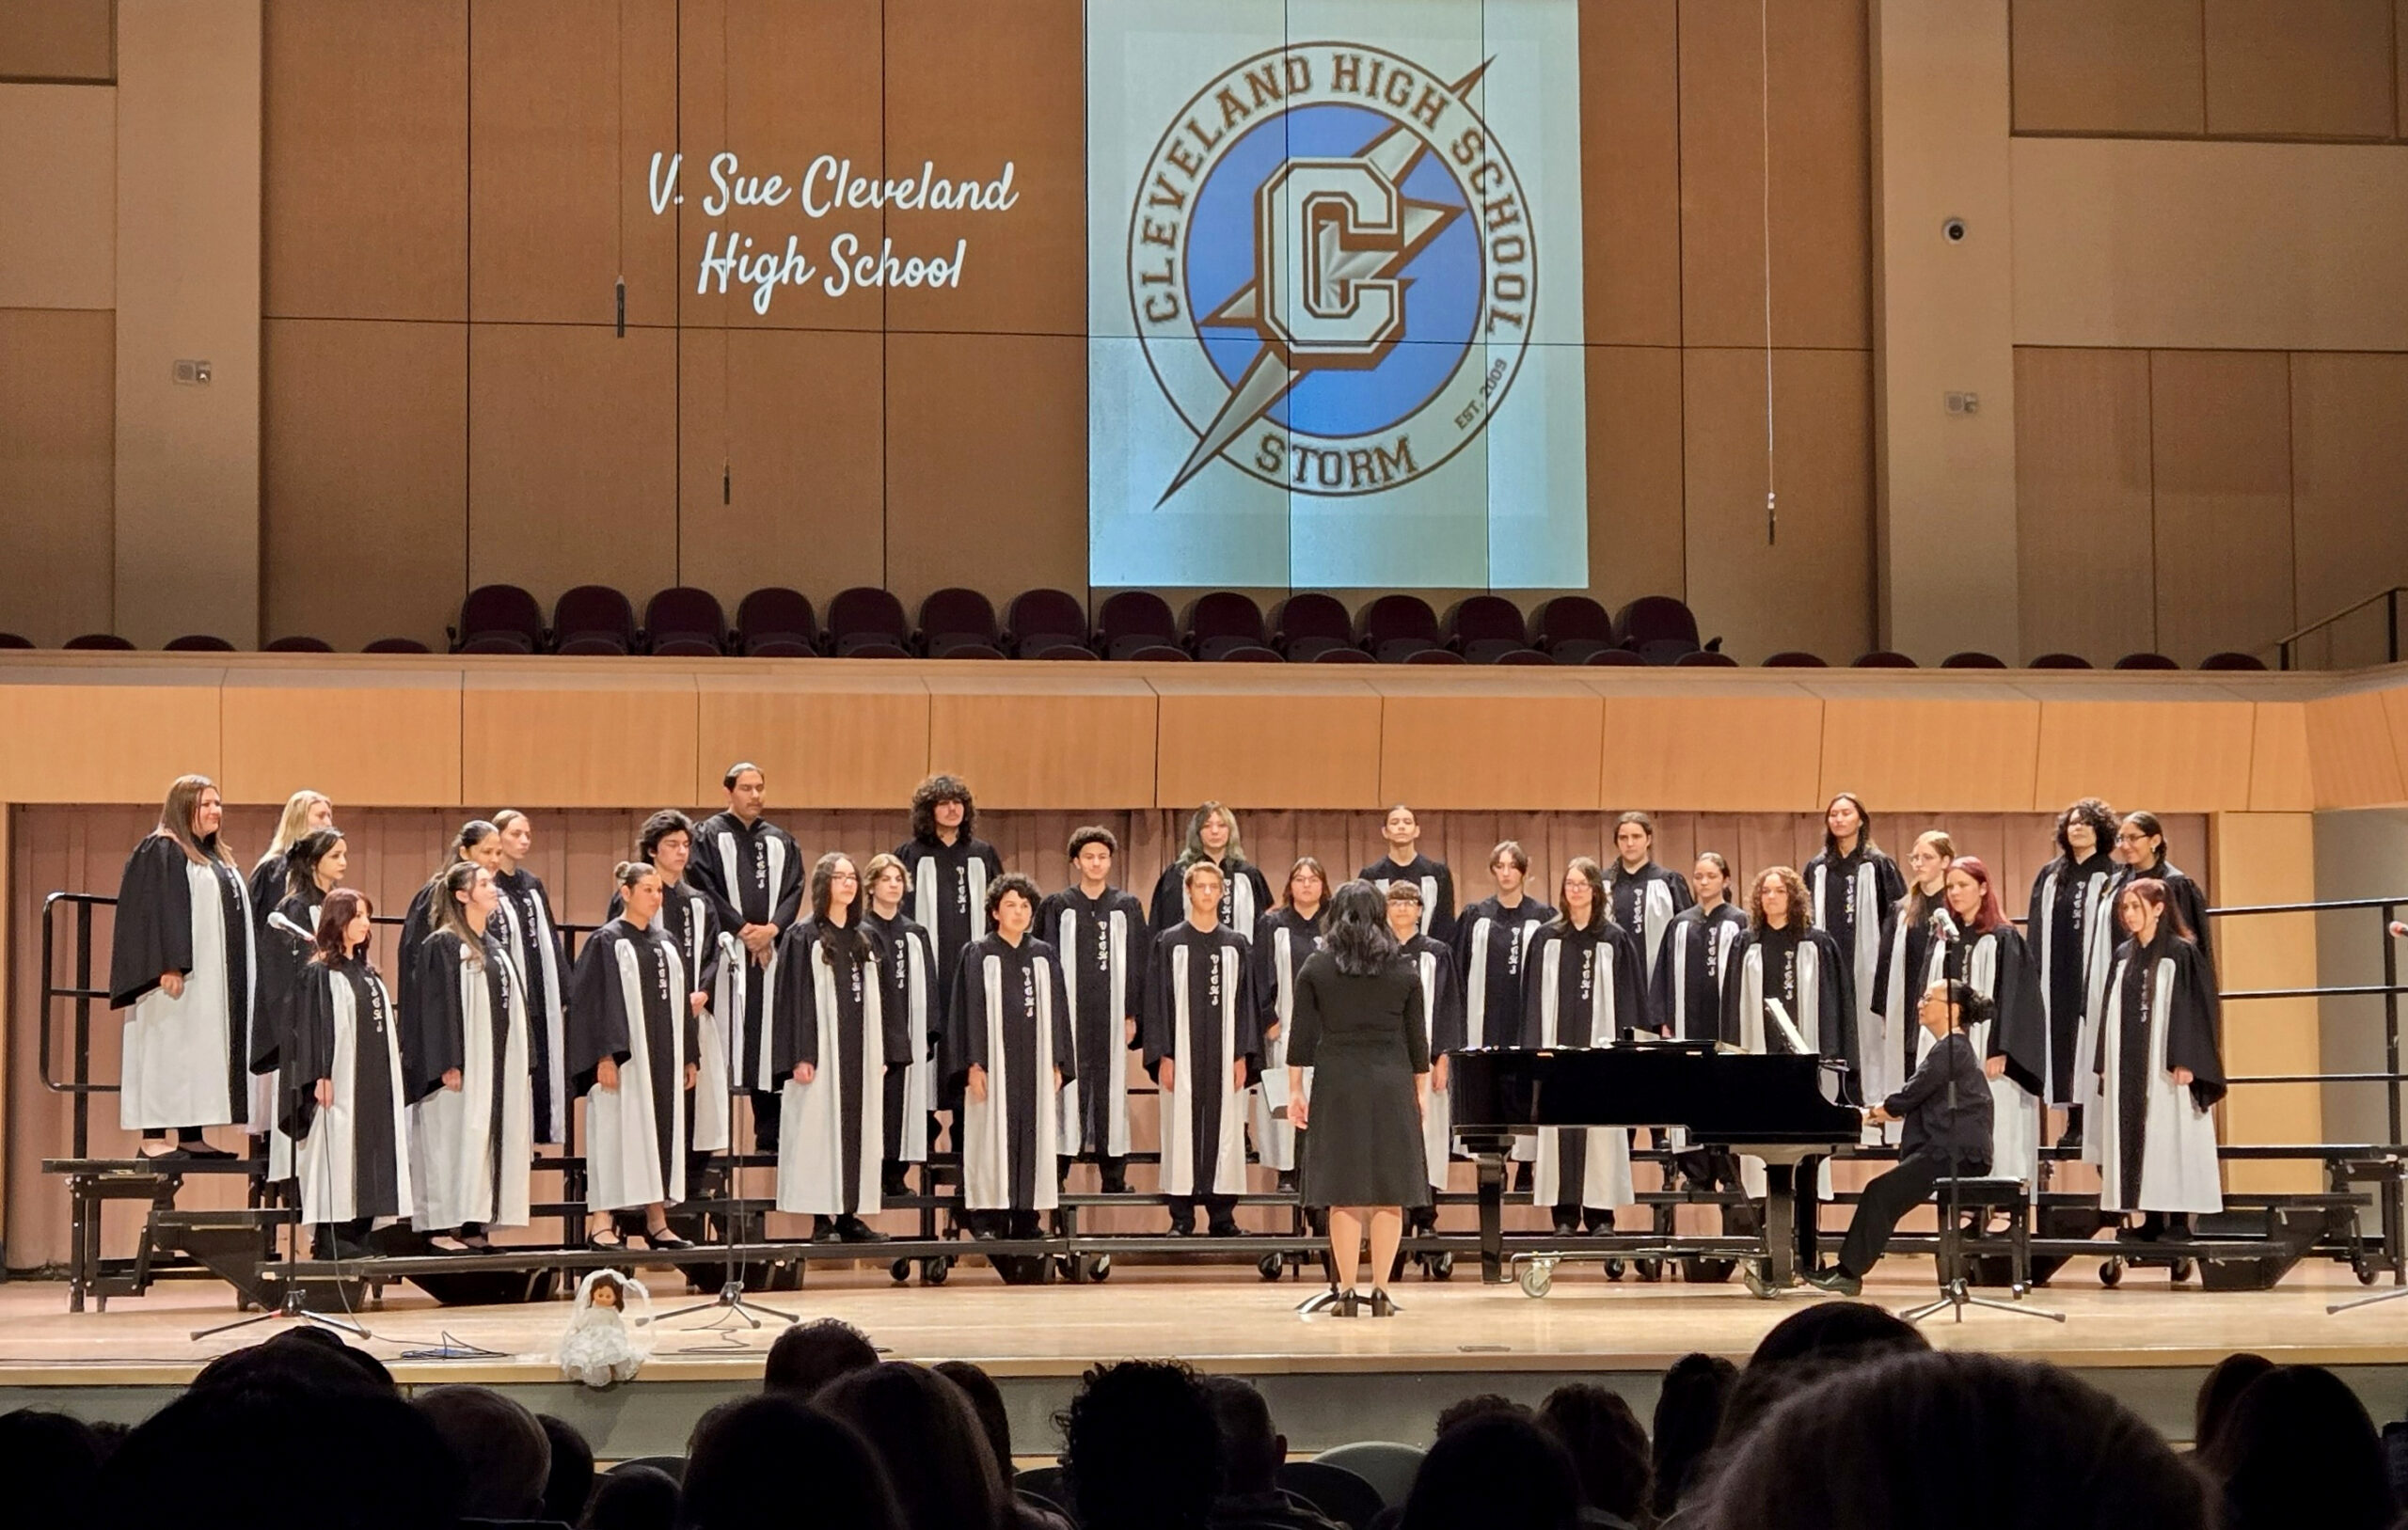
x=1437, y=1129
x=752, y=1067
x=456, y=1160
x=1274, y=1137
x=622, y=1167
x=328, y=1159
x=1755, y=999
x=178, y=1053
x=2015, y=1111
x=987, y=1124
x=1226, y=1176
x=915, y=959
x=1115, y=1063
x=1605, y=1181
x=813, y=1159
x=710, y=1125
x=2178, y=1167
x=555, y=1016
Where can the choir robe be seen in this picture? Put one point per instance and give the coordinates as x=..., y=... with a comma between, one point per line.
x=2161, y=1136
x=752, y=874
x=1282, y=939
x=907, y=959
x=1442, y=1013
x=1849, y=895
x=1582, y=988
x=627, y=1003
x=1685, y=987
x=1997, y=965
x=472, y=1148
x=267, y=887
x=715, y=965
x=948, y=896
x=1910, y=962
x=1645, y=903
x=2069, y=900
x=1807, y=975
x=418, y=921
x=1246, y=897
x=531, y=936
x=1200, y=1014
x=288, y=938
x=1492, y=948
x=187, y=1059
x=1008, y=1019
x=2106, y=933
x=1437, y=886
x=352, y=1156
x=2184, y=894
x=1103, y=944
x=833, y=1014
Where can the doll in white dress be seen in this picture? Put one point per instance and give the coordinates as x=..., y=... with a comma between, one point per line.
x=605, y=1343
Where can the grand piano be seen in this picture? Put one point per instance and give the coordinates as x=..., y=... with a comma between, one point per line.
x=1769, y=1106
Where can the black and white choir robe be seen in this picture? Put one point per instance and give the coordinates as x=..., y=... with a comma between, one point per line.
x=948, y=897
x=1645, y=903
x=753, y=875
x=1246, y=897
x=267, y=887
x=418, y=921
x=628, y=1003
x=2070, y=899
x=1582, y=988
x=1282, y=939
x=288, y=939
x=1804, y=973
x=907, y=957
x=352, y=1156
x=1912, y=961
x=1685, y=986
x=1008, y=1019
x=2106, y=933
x=1437, y=885
x=1200, y=1014
x=2159, y=1136
x=716, y=965
x=1999, y=967
x=472, y=1148
x=187, y=1059
x=1848, y=896
x=1442, y=1014
x=2183, y=894
x=1491, y=944
x=1103, y=944
x=532, y=938
x=833, y=1014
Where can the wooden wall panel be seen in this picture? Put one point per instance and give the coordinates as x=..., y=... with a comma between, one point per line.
x=377, y=739
x=2082, y=492
x=566, y=112
x=986, y=462
x=572, y=460
x=1512, y=746
x=739, y=59
x=2166, y=756
x=2220, y=430
x=1812, y=587
x=577, y=734
x=827, y=735
x=1211, y=733
x=2281, y=778
x=59, y=40
x=2399, y=46
x=1630, y=174
x=1973, y=754
x=365, y=161
x=1638, y=531
x=796, y=418
x=58, y=244
x=365, y=479
x=2349, y=479
x=57, y=468
x=2351, y=755
x=2318, y=69
x=117, y=732
x=1680, y=752
x=1821, y=174
x=1036, y=742
x=1026, y=268
x=2268, y=857
x=2133, y=66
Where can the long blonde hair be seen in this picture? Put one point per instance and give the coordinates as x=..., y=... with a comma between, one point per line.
x=450, y=917
x=1918, y=901
x=175, y=820
x=295, y=820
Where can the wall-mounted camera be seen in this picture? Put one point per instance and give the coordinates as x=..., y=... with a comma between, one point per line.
x=1953, y=230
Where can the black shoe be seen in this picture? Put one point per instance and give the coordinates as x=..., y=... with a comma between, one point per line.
x=1117, y=1185
x=1381, y=1306
x=2072, y=1138
x=1347, y=1304
x=1182, y=1229
x=894, y=1180
x=202, y=1150
x=1224, y=1229
x=1836, y=1281
x=824, y=1230
x=1567, y=1229
x=1287, y=1185
x=854, y=1230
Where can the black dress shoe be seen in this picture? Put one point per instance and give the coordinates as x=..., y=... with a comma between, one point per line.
x=1225, y=1229
x=1381, y=1306
x=1287, y=1185
x=1836, y=1281
x=1182, y=1229
x=1346, y=1303
x=854, y=1230
x=663, y=1239
x=202, y=1150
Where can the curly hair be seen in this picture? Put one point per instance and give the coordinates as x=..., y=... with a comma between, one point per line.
x=941, y=787
x=1140, y=1445
x=1092, y=834
x=1801, y=911
x=2091, y=811
x=1011, y=881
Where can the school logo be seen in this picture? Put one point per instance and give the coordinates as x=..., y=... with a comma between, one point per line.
x=1332, y=269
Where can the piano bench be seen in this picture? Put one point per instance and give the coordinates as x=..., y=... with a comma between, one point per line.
x=1984, y=1194
x=2002, y=1192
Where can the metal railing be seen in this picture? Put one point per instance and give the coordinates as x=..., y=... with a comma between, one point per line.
x=2287, y=649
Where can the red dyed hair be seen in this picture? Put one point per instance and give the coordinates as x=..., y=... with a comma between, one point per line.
x=1989, y=917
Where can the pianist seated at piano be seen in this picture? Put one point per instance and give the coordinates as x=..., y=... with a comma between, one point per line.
x=1945, y=1112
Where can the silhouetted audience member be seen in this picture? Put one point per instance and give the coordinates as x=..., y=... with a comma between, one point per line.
x=632, y=1496
x=2227, y=1381
x=1608, y=1451
x=1464, y=1410
x=1689, y=1415
x=775, y=1460
x=51, y=1464
x=306, y=1357
x=808, y=1356
x=506, y=1454
x=2298, y=1449
x=570, y=1482
x=1140, y=1450
x=1024, y=1511
x=1497, y=1468
x=1252, y=1452
x=1965, y=1440
x=936, y=1454
x=1807, y=1349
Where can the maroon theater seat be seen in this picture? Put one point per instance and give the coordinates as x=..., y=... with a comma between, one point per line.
x=1704, y=658
x=1519, y=655
x=2229, y=660
x=1882, y=658
x=1338, y=656
x=1393, y=628
x=319, y=645
x=1972, y=660
x=1572, y=628
x=2146, y=661
x=1306, y=625
x=685, y=646
x=14, y=640
x=1040, y=620
x=197, y=642
x=593, y=619
x=1795, y=658
x=956, y=618
x=1432, y=656
x=383, y=645
x=503, y=610
x=1157, y=653
x=1223, y=621
x=1248, y=654
x=1134, y=621
x=1613, y=658
x=876, y=648
x=1067, y=650
x=2060, y=661
x=682, y=613
x=1482, y=628
x=864, y=617
x=107, y=641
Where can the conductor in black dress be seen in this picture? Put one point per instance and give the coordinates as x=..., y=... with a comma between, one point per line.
x=1359, y=1026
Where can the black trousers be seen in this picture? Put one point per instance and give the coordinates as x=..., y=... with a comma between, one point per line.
x=1219, y=1212
x=767, y=1106
x=1886, y=1202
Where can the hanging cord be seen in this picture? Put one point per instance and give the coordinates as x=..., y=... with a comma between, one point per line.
x=617, y=179
x=1763, y=54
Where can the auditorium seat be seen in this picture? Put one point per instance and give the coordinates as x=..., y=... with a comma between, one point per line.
x=958, y=648
x=683, y=613
x=197, y=642
x=864, y=617
x=1659, y=628
x=1157, y=653
x=1484, y=629
x=593, y=645
x=684, y=646
x=1882, y=658
x=1340, y=655
x=1433, y=656
x=105, y=640
x=317, y=645
x=1038, y=620
x=1248, y=654
x=1521, y=656
x=1133, y=621
x=1223, y=621
x=1343, y=1497
x=593, y=619
x=1572, y=628
x=1066, y=651
x=2229, y=660
x=1306, y=625
x=2060, y=661
x=2146, y=661
x=953, y=617
x=14, y=640
x=1393, y=628
x=1972, y=660
x=776, y=615
x=877, y=648
x=491, y=642
x=1795, y=658
x=502, y=611
x=1705, y=658
x=1618, y=658
x=382, y=645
